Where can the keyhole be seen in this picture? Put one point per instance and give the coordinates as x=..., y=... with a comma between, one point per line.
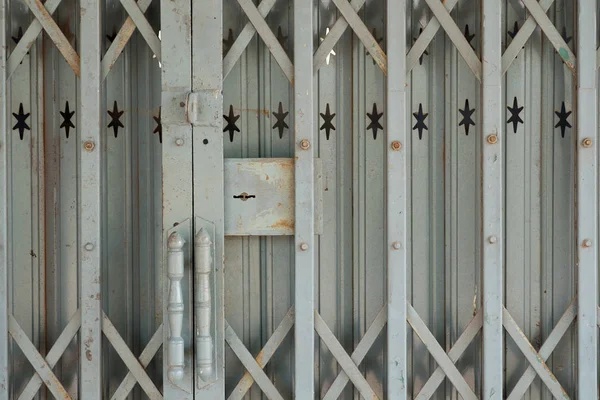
x=244, y=196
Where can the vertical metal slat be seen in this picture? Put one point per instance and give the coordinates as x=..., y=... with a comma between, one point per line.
x=492, y=200
x=587, y=203
x=207, y=84
x=396, y=189
x=177, y=184
x=3, y=212
x=89, y=207
x=304, y=329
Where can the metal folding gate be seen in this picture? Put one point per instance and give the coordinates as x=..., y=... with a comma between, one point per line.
x=302, y=199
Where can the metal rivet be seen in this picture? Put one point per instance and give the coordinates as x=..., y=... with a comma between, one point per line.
x=179, y=142
x=492, y=239
x=89, y=246
x=396, y=145
x=303, y=246
x=88, y=145
x=182, y=104
x=396, y=245
x=492, y=139
x=587, y=243
x=304, y=144
x=587, y=142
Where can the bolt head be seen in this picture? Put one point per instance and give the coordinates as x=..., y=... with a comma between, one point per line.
x=89, y=145
x=179, y=142
x=89, y=246
x=396, y=145
x=304, y=144
x=396, y=245
x=587, y=243
x=492, y=239
x=303, y=246
x=492, y=139
x=587, y=142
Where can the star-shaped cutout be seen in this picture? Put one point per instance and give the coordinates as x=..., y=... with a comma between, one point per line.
x=564, y=35
x=515, y=112
x=332, y=52
x=469, y=36
x=67, y=123
x=375, y=125
x=466, y=113
x=280, y=117
x=228, y=42
x=158, y=121
x=420, y=117
x=21, y=124
x=514, y=31
x=231, y=126
x=18, y=38
x=327, y=118
x=378, y=40
x=115, y=123
x=563, y=122
x=425, y=52
x=111, y=37
x=280, y=38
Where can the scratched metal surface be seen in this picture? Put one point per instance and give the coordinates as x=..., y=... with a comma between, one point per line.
x=445, y=192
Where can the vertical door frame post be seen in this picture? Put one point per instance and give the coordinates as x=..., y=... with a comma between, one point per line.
x=177, y=189
x=208, y=158
x=587, y=202
x=492, y=229
x=304, y=238
x=4, y=381
x=396, y=201
x=90, y=250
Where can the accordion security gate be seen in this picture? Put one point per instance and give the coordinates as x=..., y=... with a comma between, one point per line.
x=298, y=199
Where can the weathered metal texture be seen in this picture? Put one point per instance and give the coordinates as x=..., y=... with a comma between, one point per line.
x=4, y=174
x=259, y=197
x=443, y=210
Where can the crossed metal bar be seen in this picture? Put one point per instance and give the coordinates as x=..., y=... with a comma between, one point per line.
x=257, y=23
x=43, y=366
x=43, y=21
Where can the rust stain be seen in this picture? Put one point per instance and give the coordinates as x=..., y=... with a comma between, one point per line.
x=264, y=112
x=283, y=224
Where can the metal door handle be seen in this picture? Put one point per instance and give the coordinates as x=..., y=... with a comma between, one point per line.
x=175, y=356
x=204, y=340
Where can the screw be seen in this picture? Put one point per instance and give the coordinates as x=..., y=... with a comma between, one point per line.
x=89, y=246
x=88, y=145
x=303, y=246
x=587, y=243
x=587, y=142
x=492, y=139
x=492, y=239
x=396, y=145
x=396, y=245
x=304, y=144
x=179, y=142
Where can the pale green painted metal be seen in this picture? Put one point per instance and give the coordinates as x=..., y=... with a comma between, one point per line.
x=542, y=231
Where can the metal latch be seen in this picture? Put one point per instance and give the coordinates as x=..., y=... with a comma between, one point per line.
x=204, y=107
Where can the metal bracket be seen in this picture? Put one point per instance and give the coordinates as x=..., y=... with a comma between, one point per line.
x=259, y=196
x=204, y=108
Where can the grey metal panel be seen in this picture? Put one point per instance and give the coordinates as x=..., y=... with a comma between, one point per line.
x=208, y=185
x=304, y=234
x=397, y=181
x=89, y=204
x=587, y=201
x=4, y=212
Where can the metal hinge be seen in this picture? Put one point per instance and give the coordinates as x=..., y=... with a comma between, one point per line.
x=204, y=107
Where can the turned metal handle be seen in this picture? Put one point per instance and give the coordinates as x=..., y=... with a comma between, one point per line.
x=203, y=304
x=175, y=356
